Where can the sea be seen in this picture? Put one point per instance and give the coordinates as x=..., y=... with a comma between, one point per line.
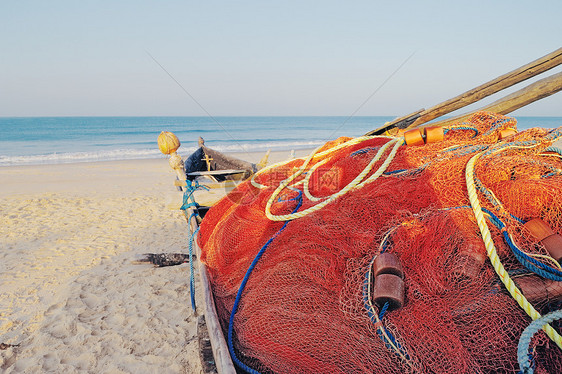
x=55, y=140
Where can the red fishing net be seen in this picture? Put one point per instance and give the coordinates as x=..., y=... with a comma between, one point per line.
x=307, y=305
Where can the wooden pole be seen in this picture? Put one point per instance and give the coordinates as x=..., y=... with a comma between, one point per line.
x=525, y=72
x=536, y=91
x=401, y=122
x=518, y=75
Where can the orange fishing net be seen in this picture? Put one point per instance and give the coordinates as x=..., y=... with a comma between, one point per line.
x=307, y=306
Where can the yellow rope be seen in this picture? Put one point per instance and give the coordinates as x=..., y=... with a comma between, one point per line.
x=493, y=255
x=307, y=179
x=550, y=155
x=358, y=182
x=315, y=155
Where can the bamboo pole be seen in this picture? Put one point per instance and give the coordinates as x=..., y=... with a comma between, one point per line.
x=525, y=72
x=536, y=91
x=518, y=75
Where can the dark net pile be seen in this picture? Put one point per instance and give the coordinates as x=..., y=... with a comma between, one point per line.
x=303, y=309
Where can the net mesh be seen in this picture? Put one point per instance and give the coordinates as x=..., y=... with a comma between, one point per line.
x=303, y=308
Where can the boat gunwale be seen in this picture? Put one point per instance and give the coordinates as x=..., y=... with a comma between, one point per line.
x=223, y=361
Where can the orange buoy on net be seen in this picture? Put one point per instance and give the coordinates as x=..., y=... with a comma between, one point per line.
x=389, y=288
x=471, y=259
x=434, y=134
x=507, y=132
x=537, y=289
x=389, y=282
x=388, y=263
x=413, y=137
x=551, y=241
x=553, y=245
x=539, y=228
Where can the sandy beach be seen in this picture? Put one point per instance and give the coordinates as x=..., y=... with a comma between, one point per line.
x=72, y=298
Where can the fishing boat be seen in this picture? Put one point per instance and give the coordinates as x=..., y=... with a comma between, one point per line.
x=214, y=174
x=207, y=170
x=418, y=247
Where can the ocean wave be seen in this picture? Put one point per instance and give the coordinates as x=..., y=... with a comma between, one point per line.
x=70, y=157
x=132, y=154
x=259, y=147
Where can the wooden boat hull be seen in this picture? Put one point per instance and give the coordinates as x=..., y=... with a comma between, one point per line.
x=219, y=346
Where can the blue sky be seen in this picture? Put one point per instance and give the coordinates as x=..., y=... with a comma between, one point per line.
x=264, y=58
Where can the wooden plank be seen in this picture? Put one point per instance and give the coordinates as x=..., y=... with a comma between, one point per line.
x=205, y=347
x=536, y=91
x=223, y=361
x=507, y=80
x=225, y=184
x=222, y=161
x=216, y=172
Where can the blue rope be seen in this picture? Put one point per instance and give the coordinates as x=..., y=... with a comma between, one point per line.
x=241, y=289
x=191, y=272
x=364, y=150
x=505, y=145
x=383, y=310
x=385, y=245
x=407, y=172
x=471, y=148
x=554, y=134
x=381, y=314
x=190, y=189
x=293, y=198
x=550, y=174
x=394, y=171
x=529, y=262
x=532, y=264
x=445, y=131
x=554, y=149
x=524, y=357
x=497, y=124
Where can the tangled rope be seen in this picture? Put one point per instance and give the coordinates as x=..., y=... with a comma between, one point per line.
x=358, y=182
x=523, y=355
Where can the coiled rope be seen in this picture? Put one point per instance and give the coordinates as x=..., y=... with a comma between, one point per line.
x=358, y=182
x=314, y=155
x=523, y=355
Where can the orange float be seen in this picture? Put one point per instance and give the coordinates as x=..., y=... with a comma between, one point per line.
x=389, y=282
x=546, y=236
x=434, y=134
x=537, y=289
x=507, y=132
x=413, y=137
x=389, y=288
x=388, y=263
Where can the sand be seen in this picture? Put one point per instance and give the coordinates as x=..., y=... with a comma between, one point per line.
x=71, y=297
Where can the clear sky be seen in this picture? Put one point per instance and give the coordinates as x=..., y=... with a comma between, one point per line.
x=263, y=57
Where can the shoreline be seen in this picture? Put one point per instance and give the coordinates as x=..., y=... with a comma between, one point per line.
x=19, y=179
